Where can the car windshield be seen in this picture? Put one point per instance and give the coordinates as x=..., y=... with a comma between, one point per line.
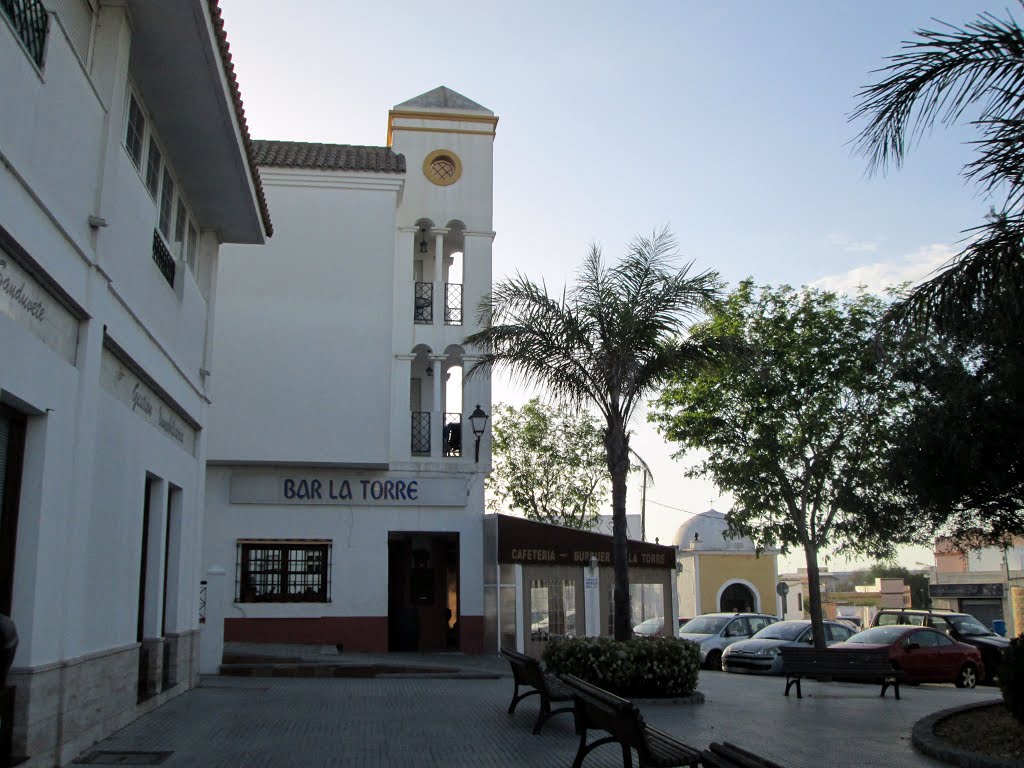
x=784, y=630
x=879, y=635
x=705, y=625
x=968, y=625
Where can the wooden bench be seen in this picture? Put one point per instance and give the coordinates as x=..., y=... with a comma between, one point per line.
x=726, y=755
x=597, y=709
x=527, y=673
x=869, y=665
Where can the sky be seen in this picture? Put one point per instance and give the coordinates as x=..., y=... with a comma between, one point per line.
x=726, y=122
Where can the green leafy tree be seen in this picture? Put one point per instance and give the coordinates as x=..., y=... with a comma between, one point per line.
x=795, y=427
x=939, y=77
x=958, y=456
x=607, y=342
x=549, y=464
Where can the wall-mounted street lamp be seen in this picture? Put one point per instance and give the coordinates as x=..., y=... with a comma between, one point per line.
x=423, y=241
x=478, y=420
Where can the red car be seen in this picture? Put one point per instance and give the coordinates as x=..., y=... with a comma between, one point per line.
x=925, y=655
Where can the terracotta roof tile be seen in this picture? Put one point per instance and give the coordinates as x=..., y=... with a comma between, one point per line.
x=236, y=96
x=329, y=157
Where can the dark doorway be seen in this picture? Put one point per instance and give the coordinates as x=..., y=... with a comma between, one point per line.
x=12, y=450
x=737, y=599
x=423, y=591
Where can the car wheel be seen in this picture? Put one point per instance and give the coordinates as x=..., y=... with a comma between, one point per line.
x=713, y=660
x=967, y=677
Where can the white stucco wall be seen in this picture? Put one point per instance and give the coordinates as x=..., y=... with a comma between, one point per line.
x=302, y=362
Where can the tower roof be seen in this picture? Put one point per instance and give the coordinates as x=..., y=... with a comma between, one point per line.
x=443, y=97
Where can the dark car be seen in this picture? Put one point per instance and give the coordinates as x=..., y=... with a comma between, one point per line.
x=962, y=627
x=924, y=655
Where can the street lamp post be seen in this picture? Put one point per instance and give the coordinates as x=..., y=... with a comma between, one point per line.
x=478, y=420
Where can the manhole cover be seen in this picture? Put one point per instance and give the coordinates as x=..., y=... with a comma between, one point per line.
x=124, y=758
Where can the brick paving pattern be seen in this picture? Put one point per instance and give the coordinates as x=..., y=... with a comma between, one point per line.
x=250, y=722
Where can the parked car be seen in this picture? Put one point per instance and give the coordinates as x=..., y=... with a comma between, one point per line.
x=655, y=627
x=962, y=627
x=925, y=655
x=760, y=654
x=715, y=632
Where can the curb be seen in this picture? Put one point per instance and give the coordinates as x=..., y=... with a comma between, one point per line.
x=925, y=740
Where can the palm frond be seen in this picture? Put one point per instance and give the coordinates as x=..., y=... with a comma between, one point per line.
x=983, y=285
x=937, y=77
x=597, y=342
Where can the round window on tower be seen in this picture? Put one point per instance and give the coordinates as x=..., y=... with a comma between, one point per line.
x=442, y=167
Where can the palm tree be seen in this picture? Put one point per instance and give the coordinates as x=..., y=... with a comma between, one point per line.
x=937, y=78
x=607, y=342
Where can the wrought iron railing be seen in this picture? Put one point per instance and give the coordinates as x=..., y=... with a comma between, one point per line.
x=423, y=308
x=202, y=601
x=162, y=257
x=28, y=17
x=451, y=438
x=421, y=433
x=453, y=303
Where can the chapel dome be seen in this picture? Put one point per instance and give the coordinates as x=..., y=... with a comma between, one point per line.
x=708, y=527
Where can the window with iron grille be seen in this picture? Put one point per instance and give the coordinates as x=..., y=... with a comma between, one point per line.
x=29, y=20
x=453, y=304
x=421, y=433
x=423, y=306
x=284, y=572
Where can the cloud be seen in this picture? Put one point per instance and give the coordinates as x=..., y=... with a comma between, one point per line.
x=880, y=275
x=852, y=246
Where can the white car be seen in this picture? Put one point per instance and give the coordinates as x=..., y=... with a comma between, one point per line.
x=714, y=632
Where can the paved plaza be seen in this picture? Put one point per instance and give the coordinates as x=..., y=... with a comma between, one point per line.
x=458, y=718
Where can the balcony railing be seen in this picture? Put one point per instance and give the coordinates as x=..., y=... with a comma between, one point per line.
x=421, y=433
x=451, y=442
x=453, y=303
x=423, y=308
x=162, y=257
x=28, y=17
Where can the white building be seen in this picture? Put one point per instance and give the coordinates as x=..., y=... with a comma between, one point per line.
x=344, y=498
x=123, y=166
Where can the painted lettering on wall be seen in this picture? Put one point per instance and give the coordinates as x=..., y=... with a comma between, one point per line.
x=315, y=489
x=140, y=401
x=170, y=424
x=18, y=294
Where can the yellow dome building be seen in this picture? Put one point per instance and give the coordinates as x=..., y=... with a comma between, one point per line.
x=716, y=573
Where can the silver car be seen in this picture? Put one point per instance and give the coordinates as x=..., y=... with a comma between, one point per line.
x=760, y=654
x=714, y=632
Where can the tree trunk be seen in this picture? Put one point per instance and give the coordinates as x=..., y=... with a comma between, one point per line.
x=814, y=595
x=617, y=446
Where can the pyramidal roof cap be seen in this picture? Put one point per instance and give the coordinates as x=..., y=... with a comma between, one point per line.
x=443, y=97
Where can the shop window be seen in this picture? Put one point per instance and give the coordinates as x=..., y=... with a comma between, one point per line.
x=646, y=601
x=552, y=609
x=284, y=572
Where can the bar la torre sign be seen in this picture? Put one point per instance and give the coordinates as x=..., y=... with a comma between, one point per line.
x=346, y=489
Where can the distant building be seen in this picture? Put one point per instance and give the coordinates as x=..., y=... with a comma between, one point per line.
x=717, y=573
x=604, y=525
x=986, y=582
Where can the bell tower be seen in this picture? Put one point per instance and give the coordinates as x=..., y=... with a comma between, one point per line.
x=443, y=270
